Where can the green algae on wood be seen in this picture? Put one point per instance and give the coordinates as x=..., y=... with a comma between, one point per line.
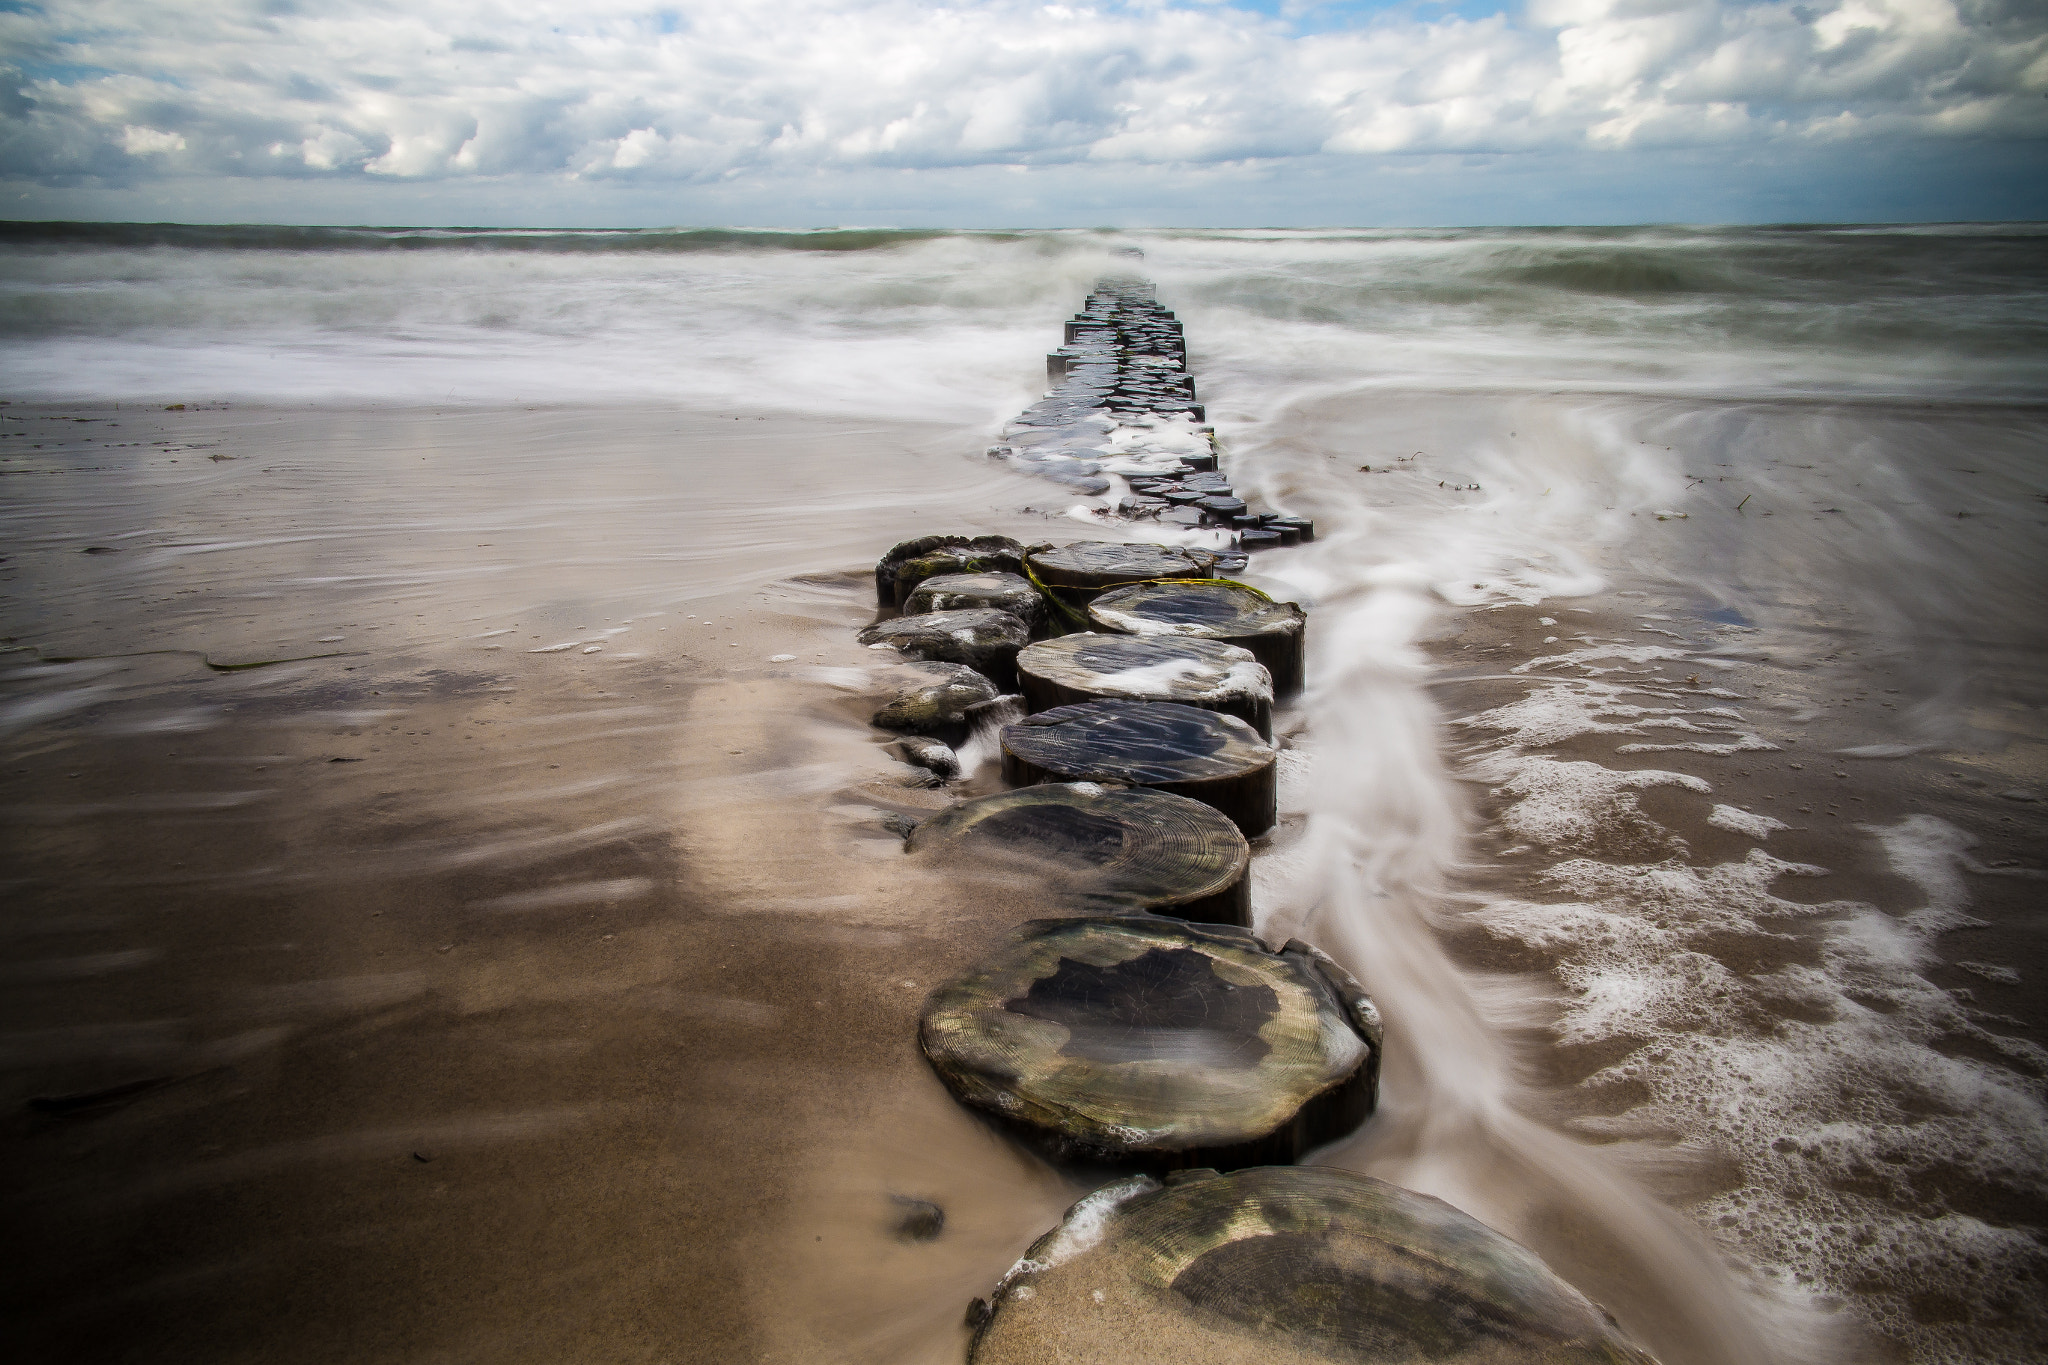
x=1203, y=755
x=938, y=702
x=1192, y=672
x=1214, y=610
x=1148, y=850
x=909, y=563
x=1285, y=1266
x=1158, y=1042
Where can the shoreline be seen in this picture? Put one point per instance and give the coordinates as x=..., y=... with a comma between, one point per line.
x=447, y=904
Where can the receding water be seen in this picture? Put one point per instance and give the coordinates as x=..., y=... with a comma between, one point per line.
x=519, y=954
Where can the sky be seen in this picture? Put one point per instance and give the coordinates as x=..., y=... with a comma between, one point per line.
x=994, y=113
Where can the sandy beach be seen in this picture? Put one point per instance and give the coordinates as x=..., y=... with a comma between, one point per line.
x=454, y=910
x=458, y=995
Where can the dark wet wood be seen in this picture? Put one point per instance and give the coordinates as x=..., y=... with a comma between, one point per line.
x=1214, y=610
x=909, y=563
x=933, y=755
x=1008, y=592
x=1285, y=1266
x=1194, y=672
x=1091, y=565
x=984, y=639
x=1128, y=846
x=1157, y=1042
x=1212, y=758
x=938, y=703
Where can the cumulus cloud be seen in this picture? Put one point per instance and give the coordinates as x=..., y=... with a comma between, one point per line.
x=107, y=91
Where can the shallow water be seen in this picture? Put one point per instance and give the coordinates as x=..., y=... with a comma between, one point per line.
x=531, y=936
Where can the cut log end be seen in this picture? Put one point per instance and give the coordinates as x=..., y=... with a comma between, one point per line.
x=906, y=565
x=1008, y=592
x=1091, y=565
x=1149, y=850
x=1212, y=758
x=1215, y=610
x=1285, y=1265
x=984, y=639
x=1192, y=672
x=938, y=702
x=1153, y=1041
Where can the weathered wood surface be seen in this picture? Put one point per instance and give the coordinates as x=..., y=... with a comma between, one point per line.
x=984, y=639
x=1193, y=672
x=1285, y=1266
x=1091, y=565
x=1212, y=610
x=1008, y=592
x=1157, y=1041
x=937, y=702
x=1130, y=846
x=1212, y=758
x=906, y=565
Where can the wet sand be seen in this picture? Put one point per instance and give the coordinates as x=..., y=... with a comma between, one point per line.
x=533, y=976
x=448, y=999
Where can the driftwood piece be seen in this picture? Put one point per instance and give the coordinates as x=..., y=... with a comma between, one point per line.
x=911, y=562
x=1158, y=1042
x=933, y=755
x=938, y=704
x=1212, y=758
x=1285, y=1266
x=1131, y=846
x=1008, y=592
x=1193, y=672
x=1213, y=610
x=984, y=639
x=1091, y=565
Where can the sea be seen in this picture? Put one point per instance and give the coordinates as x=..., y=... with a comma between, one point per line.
x=1670, y=769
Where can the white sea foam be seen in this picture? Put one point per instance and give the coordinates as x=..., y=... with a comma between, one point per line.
x=1576, y=806
x=1554, y=712
x=1744, y=822
x=1831, y=1084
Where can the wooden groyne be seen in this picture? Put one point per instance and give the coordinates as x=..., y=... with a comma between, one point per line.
x=1121, y=422
x=1147, y=1035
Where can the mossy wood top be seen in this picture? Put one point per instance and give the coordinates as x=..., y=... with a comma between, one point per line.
x=909, y=563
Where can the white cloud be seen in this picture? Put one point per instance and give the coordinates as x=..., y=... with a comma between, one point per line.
x=150, y=141
x=699, y=90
